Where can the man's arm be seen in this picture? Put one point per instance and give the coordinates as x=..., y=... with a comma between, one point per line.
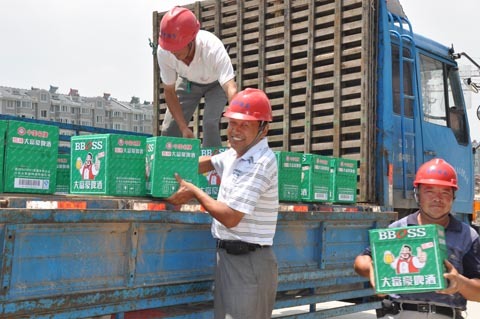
x=218, y=210
x=230, y=88
x=175, y=109
x=362, y=265
x=205, y=164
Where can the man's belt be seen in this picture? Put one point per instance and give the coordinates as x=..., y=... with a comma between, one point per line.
x=425, y=307
x=237, y=247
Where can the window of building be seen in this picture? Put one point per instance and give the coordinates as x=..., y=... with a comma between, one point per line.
x=99, y=119
x=43, y=97
x=43, y=113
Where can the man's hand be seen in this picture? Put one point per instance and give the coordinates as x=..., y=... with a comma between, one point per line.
x=183, y=194
x=187, y=133
x=454, y=280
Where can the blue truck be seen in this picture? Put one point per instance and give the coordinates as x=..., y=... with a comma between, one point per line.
x=347, y=79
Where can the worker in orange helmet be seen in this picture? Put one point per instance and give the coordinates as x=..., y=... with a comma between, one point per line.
x=245, y=212
x=435, y=185
x=194, y=64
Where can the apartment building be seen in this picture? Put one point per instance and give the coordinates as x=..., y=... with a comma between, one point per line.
x=101, y=111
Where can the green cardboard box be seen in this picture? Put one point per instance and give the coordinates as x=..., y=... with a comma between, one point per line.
x=409, y=259
x=289, y=176
x=108, y=164
x=3, y=132
x=30, y=164
x=166, y=156
x=209, y=182
x=317, y=178
x=63, y=174
x=345, y=181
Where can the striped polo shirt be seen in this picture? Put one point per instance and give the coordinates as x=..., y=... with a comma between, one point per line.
x=249, y=185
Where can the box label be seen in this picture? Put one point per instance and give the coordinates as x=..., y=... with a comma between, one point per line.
x=408, y=259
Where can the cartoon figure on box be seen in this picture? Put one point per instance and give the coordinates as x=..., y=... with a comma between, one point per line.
x=213, y=178
x=406, y=263
x=88, y=170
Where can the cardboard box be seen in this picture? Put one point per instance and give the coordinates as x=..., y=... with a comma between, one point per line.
x=63, y=174
x=166, y=156
x=209, y=182
x=289, y=176
x=317, y=178
x=108, y=164
x=345, y=181
x=3, y=132
x=409, y=259
x=30, y=164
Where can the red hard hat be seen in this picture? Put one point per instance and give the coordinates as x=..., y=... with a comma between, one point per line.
x=251, y=105
x=178, y=27
x=436, y=172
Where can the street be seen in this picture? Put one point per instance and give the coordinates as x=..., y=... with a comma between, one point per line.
x=472, y=313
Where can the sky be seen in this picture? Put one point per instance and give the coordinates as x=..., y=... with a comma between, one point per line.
x=102, y=46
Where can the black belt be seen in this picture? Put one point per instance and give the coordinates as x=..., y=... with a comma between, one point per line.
x=425, y=307
x=237, y=247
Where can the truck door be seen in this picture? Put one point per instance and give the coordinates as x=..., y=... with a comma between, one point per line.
x=443, y=123
x=404, y=138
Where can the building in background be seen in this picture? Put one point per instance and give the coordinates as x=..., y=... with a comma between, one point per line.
x=102, y=111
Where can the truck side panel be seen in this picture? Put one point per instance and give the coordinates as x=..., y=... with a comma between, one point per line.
x=80, y=263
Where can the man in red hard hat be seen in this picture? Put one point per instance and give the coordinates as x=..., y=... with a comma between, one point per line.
x=193, y=64
x=245, y=212
x=435, y=185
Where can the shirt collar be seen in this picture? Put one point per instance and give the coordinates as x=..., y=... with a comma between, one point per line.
x=453, y=225
x=255, y=151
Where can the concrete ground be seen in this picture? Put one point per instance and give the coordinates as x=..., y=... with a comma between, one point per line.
x=472, y=313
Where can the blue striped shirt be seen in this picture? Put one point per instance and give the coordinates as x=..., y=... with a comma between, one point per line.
x=249, y=185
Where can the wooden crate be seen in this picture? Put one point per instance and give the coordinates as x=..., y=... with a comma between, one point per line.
x=315, y=61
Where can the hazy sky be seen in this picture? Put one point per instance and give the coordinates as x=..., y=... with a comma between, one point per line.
x=101, y=46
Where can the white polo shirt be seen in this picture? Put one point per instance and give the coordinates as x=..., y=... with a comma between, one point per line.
x=210, y=63
x=249, y=185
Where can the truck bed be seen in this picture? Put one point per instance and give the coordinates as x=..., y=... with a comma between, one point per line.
x=73, y=257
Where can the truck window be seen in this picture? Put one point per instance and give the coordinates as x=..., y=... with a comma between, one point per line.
x=442, y=98
x=433, y=94
x=407, y=82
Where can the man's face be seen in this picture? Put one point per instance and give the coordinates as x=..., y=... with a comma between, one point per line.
x=241, y=134
x=435, y=201
x=183, y=53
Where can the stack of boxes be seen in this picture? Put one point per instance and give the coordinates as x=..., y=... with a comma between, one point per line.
x=3, y=131
x=108, y=164
x=316, y=178
x=130, y=165
x=30, y=163
x=63, y=174
x=209, y=182
x=166, y=156
x=289, y=176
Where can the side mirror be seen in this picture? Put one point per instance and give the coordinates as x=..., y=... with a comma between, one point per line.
x=478, y=112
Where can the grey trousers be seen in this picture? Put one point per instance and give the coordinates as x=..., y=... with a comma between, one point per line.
x=189, y=94
x=245, y=285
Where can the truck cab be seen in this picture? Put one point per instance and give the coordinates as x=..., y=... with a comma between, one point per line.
x=422, y=114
